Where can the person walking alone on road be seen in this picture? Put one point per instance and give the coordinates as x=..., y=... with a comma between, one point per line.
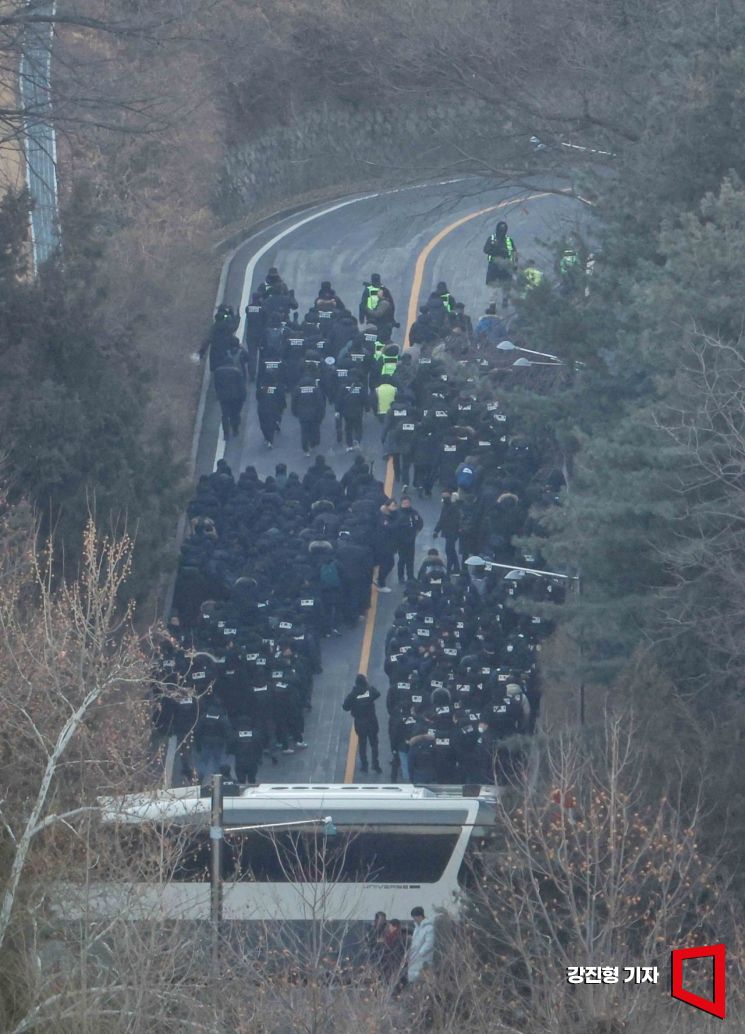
x=360, y=702
x=502, y=265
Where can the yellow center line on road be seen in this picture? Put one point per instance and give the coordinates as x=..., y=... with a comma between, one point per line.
x=411, y=315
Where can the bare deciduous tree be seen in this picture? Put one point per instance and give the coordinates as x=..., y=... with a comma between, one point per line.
x=74, y=713
x=592, y=871
x=84, y=54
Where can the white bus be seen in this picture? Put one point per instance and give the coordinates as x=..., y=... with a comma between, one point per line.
x=364, y=849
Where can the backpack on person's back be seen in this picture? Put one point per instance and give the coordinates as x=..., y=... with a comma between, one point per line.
x=329, y=575
x=466, y=477
x=381, y=310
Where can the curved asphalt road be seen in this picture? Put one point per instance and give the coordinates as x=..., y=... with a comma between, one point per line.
x=344, y=243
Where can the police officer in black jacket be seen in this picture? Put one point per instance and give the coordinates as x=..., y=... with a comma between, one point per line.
x=248, y=743
x=230, y=387
x=448, y=525
x=309, y=406
x=356, y=562
x=270, y=404
x=254, y=330
x=408, y=525
x=221, y=336
x=361, y=703
x=351, y=404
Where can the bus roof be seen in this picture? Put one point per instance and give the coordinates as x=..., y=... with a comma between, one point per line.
x=346, y=803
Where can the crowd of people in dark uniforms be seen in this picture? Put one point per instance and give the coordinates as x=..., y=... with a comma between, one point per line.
x=461, y=655
x=253, y=639
x=237, y=669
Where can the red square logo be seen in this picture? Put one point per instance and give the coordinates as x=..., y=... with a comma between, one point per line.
x=715, y=1006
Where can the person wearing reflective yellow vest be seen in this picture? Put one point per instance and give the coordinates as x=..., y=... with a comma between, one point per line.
x=568, y=262
x=570, y=271
x=370, y=298
x=372, y=293
x=377, y=307
x=389, y=361
x=502, y=262
x=447, y=299
x=378, y=349
x=385, y=393
x=531, y=276
x=502, y=254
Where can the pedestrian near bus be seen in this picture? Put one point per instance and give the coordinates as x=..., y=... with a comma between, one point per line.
x=375, y=938
x=421, y=946
x=393, y=955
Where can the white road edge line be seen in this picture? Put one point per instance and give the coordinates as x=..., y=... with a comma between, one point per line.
x=248, y=277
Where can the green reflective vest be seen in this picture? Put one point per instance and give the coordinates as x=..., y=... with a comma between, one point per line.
x=378, y=351
x=390, y=362
x=385, y=393
x=509, y=247
x=568, y=261
x=532, y=276
x=373, y=297
x=448, y=301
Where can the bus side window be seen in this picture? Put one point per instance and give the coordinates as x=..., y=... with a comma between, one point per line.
x=362, y=857
x=274, y=858
x=151, y=852
x=399, y=857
